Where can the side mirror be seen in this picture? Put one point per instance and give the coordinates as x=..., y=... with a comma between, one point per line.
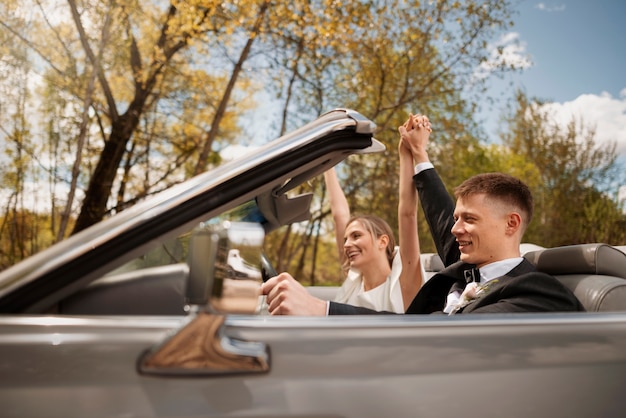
x=224, y=277
x=225, y=267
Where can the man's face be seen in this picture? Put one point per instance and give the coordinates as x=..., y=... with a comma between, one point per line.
x=480, y=230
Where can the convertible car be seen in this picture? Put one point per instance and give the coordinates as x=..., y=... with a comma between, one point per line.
x=94, y=327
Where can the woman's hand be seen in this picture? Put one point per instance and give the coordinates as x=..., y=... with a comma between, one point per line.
x=414, y=134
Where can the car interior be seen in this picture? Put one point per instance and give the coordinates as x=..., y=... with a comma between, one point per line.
x=596, y=274
x=166, y=289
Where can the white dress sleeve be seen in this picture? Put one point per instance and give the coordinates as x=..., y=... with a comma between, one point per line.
x=386, y=297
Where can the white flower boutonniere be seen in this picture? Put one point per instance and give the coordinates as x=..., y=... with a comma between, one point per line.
x=472, y=292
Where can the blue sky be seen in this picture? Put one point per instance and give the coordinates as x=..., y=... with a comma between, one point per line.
x=574, y=55
x=577, y=51
x=578, y=47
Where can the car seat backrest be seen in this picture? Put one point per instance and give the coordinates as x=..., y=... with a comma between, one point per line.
x=432, y=262
x=596, y=273
x=149, y=291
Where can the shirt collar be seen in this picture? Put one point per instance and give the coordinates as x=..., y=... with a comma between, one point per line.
x=498, y=269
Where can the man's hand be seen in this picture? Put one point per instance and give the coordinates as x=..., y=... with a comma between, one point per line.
x=286, y=296
x=414, y=134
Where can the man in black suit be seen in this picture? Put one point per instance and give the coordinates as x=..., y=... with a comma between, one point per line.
x=484, y=231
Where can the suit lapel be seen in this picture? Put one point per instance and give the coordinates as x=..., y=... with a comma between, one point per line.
x=432, y=296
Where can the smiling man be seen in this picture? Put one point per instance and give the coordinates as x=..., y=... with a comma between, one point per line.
x=484, y=231
x=478, y=239
x=491, y=214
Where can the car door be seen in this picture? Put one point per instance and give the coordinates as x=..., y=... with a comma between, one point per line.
x=433, y=366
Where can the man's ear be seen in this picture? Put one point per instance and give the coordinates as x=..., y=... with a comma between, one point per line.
x=513, y=223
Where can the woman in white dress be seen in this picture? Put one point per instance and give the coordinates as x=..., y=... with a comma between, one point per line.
x=379, y=275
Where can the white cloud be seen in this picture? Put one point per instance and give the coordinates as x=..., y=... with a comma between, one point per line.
x=508, y=51
x=604, y=112
x=550, y=8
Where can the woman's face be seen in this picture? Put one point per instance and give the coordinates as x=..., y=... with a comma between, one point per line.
x=360, y=246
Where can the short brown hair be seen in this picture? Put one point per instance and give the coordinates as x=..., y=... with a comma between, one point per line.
x=503, y=187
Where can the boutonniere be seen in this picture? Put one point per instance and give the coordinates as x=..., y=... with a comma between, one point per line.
x=472, y=292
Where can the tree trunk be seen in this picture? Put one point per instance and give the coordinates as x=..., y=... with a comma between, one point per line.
x=101, y=182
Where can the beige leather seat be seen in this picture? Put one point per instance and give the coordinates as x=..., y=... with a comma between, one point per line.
x=596, y=273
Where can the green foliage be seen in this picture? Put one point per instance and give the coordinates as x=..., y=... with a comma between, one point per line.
x=571, y=205
x=23, y=233
x=314, y=263
x=388, y=70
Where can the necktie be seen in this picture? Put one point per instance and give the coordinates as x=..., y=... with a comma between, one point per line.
x=472, y=275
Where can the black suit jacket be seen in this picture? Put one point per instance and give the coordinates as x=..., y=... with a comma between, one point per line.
x=438, y=209
x=523, y=289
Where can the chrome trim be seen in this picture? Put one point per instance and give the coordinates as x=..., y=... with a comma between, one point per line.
x=202, y=348
x=338, y=321
x=119, y=321
x=412, y=321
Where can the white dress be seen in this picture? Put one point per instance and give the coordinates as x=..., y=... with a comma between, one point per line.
x=386, y=297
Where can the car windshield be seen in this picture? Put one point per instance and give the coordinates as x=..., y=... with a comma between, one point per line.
x=176, y=250
x=156, y=232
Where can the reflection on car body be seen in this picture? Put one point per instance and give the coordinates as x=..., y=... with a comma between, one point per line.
x=83, y=332
x=240, y=267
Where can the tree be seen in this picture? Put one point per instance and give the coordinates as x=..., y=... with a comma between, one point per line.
x=386, y=70
x=571, y=204
x=180, y=23
x=141, y=95
x=133, y=68
x=23, y=232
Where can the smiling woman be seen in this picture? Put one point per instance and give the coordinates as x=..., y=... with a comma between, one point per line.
x=380, y=275
x=373, y=274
